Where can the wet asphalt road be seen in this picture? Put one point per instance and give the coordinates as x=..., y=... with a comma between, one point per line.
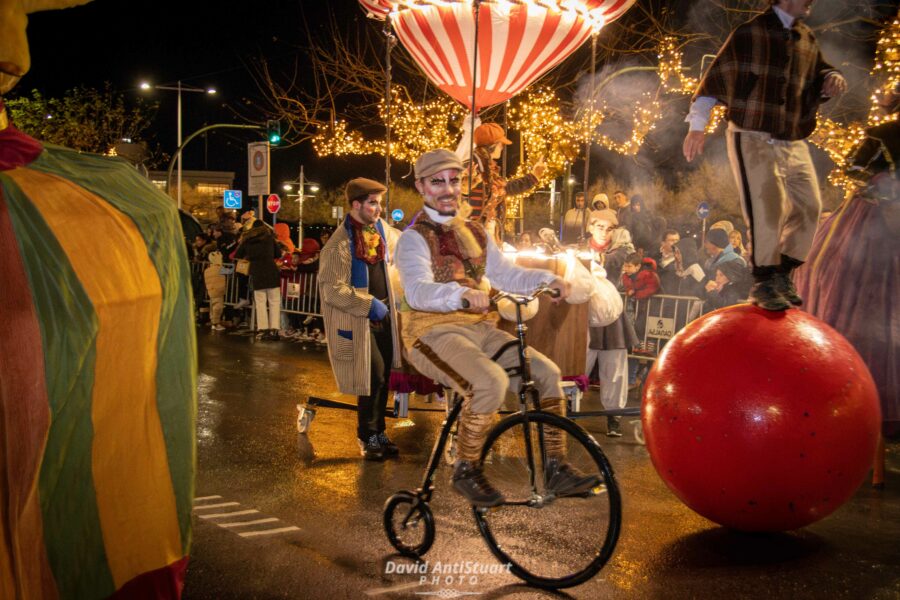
x=314, y=530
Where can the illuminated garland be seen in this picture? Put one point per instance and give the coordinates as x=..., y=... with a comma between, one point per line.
x=670, y=67
x=840, y=141
x=537, y=116
x=415, y=129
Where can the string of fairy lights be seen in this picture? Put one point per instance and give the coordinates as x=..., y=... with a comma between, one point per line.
x=545, y=132
x=839, y=141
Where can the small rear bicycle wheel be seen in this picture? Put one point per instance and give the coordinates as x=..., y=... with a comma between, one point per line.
x=409, y=524
x=548, y=538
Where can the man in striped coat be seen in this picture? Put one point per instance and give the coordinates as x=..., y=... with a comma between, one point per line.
x=356, y=292
x=771, y=77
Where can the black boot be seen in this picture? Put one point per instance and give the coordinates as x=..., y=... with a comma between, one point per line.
x=562, y=479
x=469, y=481
x=785, y=283
x=371, y=448
x=613, y=427
x=390, y=448
x=766, y=293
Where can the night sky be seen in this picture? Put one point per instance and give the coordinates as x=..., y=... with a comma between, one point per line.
x=202, y=43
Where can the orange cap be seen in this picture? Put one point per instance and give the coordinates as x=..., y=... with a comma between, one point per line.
x=489, y=134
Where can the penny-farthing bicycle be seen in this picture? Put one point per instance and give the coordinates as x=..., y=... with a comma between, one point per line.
x=548, y=539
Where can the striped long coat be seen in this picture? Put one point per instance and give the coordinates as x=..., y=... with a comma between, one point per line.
x=345, y=307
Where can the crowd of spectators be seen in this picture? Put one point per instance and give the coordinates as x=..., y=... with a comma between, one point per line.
x=273, y=262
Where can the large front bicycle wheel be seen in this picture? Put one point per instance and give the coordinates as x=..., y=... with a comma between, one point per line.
x=549, y=539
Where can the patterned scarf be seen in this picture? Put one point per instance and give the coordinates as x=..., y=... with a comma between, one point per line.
x=367, y=242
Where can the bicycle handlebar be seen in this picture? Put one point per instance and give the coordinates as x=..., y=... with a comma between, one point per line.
x=519, y=298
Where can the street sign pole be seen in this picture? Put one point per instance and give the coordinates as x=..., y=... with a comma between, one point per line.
x=703, y=214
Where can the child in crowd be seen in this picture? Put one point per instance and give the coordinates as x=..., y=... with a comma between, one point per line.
x=215, y=288
x=731, y=285
x=639, y=278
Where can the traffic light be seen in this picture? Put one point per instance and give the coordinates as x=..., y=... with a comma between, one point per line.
x=273, y=132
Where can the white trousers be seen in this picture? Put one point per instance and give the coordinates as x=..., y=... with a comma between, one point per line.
x=613, y=373
x=267, y=317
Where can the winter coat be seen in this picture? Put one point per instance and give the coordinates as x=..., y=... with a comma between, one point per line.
x=730, y=294
x=346, y=302
x=644, y=283
x=612, y=262
x=258, y=246
x=212, y=275
x=728, y=254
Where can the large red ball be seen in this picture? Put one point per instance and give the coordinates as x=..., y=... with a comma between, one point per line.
x=759, y=420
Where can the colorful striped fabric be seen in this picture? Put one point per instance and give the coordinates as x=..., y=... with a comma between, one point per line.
x=517, y=41
x=97, y=383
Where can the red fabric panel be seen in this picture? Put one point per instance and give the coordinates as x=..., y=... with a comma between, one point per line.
x=16, y=148
x=162, y=584
x=24, y=421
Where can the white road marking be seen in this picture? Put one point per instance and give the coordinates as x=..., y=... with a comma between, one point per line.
x=202, y=498
x=230, y=514
x=242, y=523
x=218, y=505
x=269, y=531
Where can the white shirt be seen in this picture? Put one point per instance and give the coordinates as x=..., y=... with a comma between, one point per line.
x=412, y=258
x=698, y=116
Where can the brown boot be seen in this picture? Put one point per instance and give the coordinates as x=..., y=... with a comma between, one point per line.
x=468, y=478
x=562, y=479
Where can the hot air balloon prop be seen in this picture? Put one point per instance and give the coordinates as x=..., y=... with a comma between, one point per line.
x=515, y=42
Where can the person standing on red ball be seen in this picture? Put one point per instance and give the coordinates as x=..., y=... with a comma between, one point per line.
x=771, y=77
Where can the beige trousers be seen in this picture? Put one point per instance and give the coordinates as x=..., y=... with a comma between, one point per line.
x=216, y=306
x=459, y=356
x=779, y=194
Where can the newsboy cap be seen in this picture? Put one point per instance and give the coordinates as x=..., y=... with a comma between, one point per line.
x=436, y=161
x=489, y=134
x=605, y=215
x=360, y=188
x=717, y=237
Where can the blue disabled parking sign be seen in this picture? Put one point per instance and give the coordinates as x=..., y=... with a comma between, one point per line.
x=232, y=199
x=397, y=215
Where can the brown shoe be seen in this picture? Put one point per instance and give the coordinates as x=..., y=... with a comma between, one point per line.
x=469, y=482
x=562, y=479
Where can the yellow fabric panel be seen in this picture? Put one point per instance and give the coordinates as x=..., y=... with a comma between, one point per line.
x=134, y=491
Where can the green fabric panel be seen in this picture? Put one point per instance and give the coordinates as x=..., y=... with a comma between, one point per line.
x=156, y=217
x=68, y=324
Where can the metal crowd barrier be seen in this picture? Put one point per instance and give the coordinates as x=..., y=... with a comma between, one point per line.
x=657, y=319
x=299, y=292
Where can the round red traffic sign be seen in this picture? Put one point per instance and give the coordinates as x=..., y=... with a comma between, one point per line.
x=273, y=203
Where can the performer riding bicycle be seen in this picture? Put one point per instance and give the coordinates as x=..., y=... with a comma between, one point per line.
x=444, y=259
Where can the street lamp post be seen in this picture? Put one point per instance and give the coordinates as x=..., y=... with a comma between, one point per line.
x=301, y=194
x=178, y=88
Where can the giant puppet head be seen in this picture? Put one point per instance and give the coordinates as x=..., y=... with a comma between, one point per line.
x=14, y=58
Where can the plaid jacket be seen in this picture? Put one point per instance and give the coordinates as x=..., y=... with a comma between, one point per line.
x=770, y=78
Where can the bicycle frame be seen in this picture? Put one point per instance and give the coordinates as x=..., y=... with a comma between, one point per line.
x=527, y=389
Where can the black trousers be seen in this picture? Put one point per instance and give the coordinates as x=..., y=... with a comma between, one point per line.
x=373, y=406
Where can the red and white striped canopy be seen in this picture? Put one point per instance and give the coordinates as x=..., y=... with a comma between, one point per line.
x=517, y=41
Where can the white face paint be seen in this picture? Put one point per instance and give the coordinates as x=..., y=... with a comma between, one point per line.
x=441, y=191
x=601, y=229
